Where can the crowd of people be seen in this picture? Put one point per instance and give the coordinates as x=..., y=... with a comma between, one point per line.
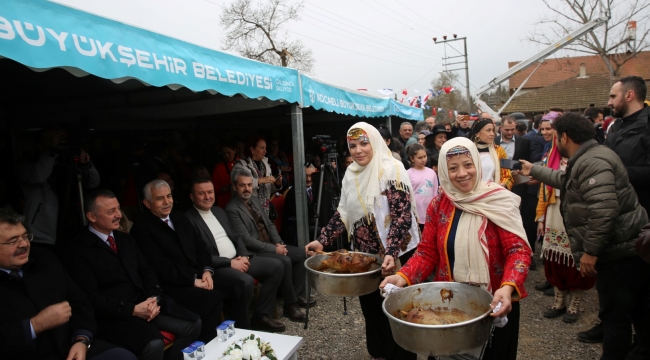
x=441, y=201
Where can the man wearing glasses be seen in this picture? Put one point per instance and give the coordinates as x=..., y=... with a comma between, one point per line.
x=43, y=315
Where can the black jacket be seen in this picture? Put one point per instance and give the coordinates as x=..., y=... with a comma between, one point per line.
x=207, y=237
x=116, y=282
x=178, y=256
x=522, y=152
x=537, y=144
x=44, y=283
x=632, y=144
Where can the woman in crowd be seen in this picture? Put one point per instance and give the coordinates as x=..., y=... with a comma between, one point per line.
x=221, y=174
x=264, y=183
x=423, y=179
x=422, y=136
x=434, y=142
x=474, y=234
x=278, y=160
x=482, y=134
x=559, y=264
x=377, y=208
x=388, y=139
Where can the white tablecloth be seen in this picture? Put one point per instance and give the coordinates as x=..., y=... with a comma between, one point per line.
x=285, y=346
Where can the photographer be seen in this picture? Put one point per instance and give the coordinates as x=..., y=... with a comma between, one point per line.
x=597, y=117
x=51, y=176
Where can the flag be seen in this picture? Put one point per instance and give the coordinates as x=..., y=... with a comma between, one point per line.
x=404, y=92
x=416, y=91
x=366, y=90
x=413, y=101
x=402, y=101
x=387, y=92
x=434, y=111
x=455, y=113
x=448, y=89
x=451, y=115
x=426, y=98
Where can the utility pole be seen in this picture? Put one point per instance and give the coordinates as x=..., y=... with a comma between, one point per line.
x=463, y=55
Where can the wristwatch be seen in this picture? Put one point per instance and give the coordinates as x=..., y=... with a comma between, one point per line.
x=82, y=340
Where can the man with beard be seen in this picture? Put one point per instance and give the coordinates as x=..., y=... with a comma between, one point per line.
x=629, y=136
x=43, y=314
x=603, y=219
x=261, y=238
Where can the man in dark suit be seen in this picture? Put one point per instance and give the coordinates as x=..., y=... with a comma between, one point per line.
x=289, y=224
x=123, y=288
x=537, y=144
x=43, y=314
x=181, y=260
x=517, y=148
x=231, y=259
x=261, y=237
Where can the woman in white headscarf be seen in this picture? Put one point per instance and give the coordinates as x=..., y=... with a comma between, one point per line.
x=377, y=208
x=473, y=234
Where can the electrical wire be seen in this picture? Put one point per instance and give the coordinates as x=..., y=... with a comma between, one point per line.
x=420, y=15
x=399, y=42
x=356, y=52
x=368, y=39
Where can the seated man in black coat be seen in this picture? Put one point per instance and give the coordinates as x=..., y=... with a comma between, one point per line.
x=123, y=288
x=260, y=237
x=231, y=260
x=43, y=314
x=181, y=260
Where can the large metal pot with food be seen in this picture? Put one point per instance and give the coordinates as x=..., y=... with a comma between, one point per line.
x=344, y=274
x=439, y=318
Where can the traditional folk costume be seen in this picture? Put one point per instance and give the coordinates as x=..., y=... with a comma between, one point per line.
x=476, y=238
x=559, y=264
x=491, y=155
x=378, y=210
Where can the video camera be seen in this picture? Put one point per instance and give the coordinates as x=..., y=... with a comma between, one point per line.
x=325, y=144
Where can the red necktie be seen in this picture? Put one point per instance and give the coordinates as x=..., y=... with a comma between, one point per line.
x=111, y=243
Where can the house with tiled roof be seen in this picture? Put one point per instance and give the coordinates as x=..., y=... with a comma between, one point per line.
x=571, y=83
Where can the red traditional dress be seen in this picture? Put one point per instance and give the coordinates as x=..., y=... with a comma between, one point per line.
x=508, y=261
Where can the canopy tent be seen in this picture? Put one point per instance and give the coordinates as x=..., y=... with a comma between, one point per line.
x=43, y=35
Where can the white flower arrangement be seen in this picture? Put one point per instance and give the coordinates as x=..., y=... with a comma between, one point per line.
x=249, y=348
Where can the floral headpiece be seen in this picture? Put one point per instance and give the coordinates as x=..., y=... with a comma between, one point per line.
x=457, y=151
x=358, y=134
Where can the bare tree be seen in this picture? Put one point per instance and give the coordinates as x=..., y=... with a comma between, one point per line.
x=455, y=100
x=611, y=41
x=255, y=32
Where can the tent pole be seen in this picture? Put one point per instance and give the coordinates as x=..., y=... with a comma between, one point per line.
x=297, y=138
x=389, y=125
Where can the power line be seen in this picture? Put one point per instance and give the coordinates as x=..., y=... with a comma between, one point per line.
x=399, y=42
x=420, y=15
x=356, y=52
x=408, y=19
x=423, y=76
x=372, y=40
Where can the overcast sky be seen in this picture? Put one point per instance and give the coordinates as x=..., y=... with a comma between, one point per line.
x=364, y=43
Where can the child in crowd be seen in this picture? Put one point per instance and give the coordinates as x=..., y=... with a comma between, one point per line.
x=423, y=179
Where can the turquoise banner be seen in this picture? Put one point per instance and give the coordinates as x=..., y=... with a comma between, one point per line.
x=43, y=35
x=405, y=111
x=323, y=96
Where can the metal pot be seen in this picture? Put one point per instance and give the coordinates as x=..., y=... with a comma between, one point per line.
x=343, y=284
x=440, y=340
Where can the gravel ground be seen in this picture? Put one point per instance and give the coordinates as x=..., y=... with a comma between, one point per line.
x=333, y=335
